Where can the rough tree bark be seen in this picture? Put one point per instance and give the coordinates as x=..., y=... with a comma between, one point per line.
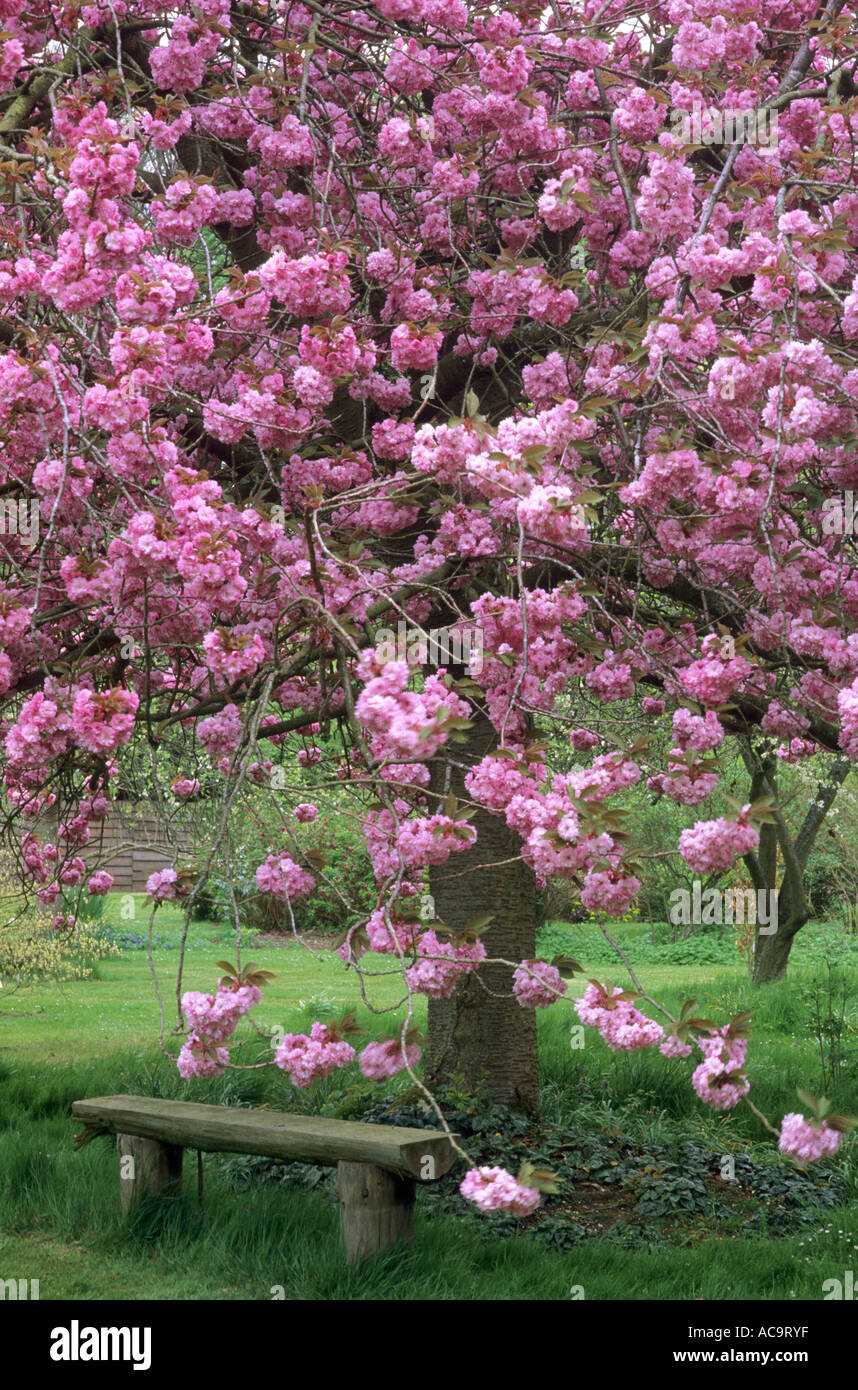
x=482, y=1034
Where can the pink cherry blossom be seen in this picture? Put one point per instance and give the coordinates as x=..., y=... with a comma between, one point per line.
x=494, y=1189
x=710, y=845
x=186, y=786
x=200, y=1058
x=383, y=1059
x=806, y=1142
x=100, y=883
x=307, y=1057
x=163, y=884
x=536, y=984
x=283, y=878
x=103, y=723
x=441, y=965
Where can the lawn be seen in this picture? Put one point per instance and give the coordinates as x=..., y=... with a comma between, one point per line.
x=642, y=1212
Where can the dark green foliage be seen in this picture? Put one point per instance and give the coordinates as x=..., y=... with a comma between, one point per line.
x=673, y=1181
x=817, y=943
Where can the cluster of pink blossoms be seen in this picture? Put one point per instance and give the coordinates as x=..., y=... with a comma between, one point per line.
x=305, y=1058
x=215, y=1016
x=715, y=677
x=283, y=878
x=406, y=725
x=231, y=655
x=438, y=977
x=212, y=1018
x=719, y=1080
x=185, y=786
x=551, y=514
x=623, y=1027
x=180, y=64
x=432, y=839
x=414, y=347
x=100, y=883
x=185, y=208
x=609, y=890
x=701, y=733
x=164, y=884
x=847, y=705
x=199, y=1058
x=382, y=1059
x=310, y=285
x=103, y=723
x=41, y=732
x=494, y=1189
x=536, y=984
x=388, y=937
x=221, y=734
x=715, y=844
x=806, y=1142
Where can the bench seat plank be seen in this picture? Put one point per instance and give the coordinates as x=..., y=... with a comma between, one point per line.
x=416, y=1153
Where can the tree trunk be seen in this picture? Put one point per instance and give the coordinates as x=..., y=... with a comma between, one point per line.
x=772, y=949
x=771, y=955
x=482, y=1035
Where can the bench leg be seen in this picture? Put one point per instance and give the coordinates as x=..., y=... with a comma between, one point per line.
x=146, y=1167
x=376, y=1208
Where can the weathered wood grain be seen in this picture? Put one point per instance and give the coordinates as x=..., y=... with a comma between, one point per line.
x=376, y=1209
x=147, y=1168
x=416, y=1153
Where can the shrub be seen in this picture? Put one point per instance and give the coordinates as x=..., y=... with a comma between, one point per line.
x=334, y=852
x=347, y=870
x=31, y=952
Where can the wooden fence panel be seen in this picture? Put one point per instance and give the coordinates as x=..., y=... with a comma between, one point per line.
x=131, y=842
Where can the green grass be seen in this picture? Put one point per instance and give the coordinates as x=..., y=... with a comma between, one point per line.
x=59, y=1217
x=82, y=1020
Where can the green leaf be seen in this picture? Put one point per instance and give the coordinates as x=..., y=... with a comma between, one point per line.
x=842, y=1123
x=479, y=922
x=567, y=967
x=540, y=1178
x=807, y=1100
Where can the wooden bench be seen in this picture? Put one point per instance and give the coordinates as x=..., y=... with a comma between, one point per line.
x=378, y=1166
